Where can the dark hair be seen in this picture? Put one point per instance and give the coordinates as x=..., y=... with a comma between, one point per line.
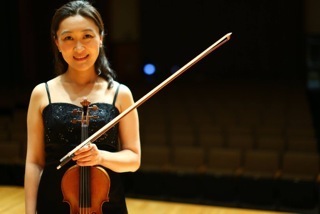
x=85, y=9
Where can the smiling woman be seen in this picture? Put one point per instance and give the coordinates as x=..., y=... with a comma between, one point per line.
x=83, y=73
x=12, y=201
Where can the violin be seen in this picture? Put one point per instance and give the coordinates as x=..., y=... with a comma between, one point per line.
x=85, y=188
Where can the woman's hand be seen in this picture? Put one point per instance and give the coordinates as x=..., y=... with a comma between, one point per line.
x=89, y=155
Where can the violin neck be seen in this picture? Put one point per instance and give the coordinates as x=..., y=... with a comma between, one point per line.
x=85, y=175
x=84, y=132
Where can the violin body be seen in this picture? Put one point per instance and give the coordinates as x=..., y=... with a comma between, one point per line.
x=99, y=187
x=85, y=188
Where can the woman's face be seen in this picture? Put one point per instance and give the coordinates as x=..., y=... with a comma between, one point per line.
x=79, y=40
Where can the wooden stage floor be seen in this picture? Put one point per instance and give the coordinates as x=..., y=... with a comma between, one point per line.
x=12, y=202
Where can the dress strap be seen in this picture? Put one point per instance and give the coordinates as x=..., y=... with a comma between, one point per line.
x=48, y=93
x=115, y=95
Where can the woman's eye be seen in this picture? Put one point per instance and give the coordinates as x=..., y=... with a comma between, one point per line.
x=67, y=38
x=88, y=36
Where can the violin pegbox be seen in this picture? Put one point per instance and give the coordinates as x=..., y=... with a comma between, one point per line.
x=85, y=113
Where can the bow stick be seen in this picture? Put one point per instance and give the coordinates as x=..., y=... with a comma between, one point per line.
x=105, y=128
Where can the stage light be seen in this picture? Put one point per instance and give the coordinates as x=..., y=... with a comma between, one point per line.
x=149, y=69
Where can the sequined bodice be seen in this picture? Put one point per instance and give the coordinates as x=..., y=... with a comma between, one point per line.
x=62, y=135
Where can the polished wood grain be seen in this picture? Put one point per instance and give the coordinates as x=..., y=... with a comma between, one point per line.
x=12, y=202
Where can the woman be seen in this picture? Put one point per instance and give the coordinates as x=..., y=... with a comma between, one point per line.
x=83, y=71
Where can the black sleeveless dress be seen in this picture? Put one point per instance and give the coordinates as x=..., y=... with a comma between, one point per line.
x=61, y=136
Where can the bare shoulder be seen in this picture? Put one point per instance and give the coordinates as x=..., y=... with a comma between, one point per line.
x=38, y=99
x=124, y=90
x=125, y=97
x=38, y=90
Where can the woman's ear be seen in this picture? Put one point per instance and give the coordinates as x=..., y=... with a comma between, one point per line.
x=101, y=40
x=57, y=44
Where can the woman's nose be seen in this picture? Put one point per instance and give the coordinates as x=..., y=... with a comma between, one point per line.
x=78, y=46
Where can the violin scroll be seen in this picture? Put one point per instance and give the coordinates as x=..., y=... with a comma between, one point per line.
x=85, y=116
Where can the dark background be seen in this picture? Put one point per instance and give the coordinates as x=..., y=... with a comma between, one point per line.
x=269, y=38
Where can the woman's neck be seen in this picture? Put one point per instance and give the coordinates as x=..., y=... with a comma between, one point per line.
x=80, y=78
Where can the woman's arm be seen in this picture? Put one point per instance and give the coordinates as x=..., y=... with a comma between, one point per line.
x=35, y=149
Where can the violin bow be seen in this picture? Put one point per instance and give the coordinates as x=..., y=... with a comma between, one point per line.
x=105, y=128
